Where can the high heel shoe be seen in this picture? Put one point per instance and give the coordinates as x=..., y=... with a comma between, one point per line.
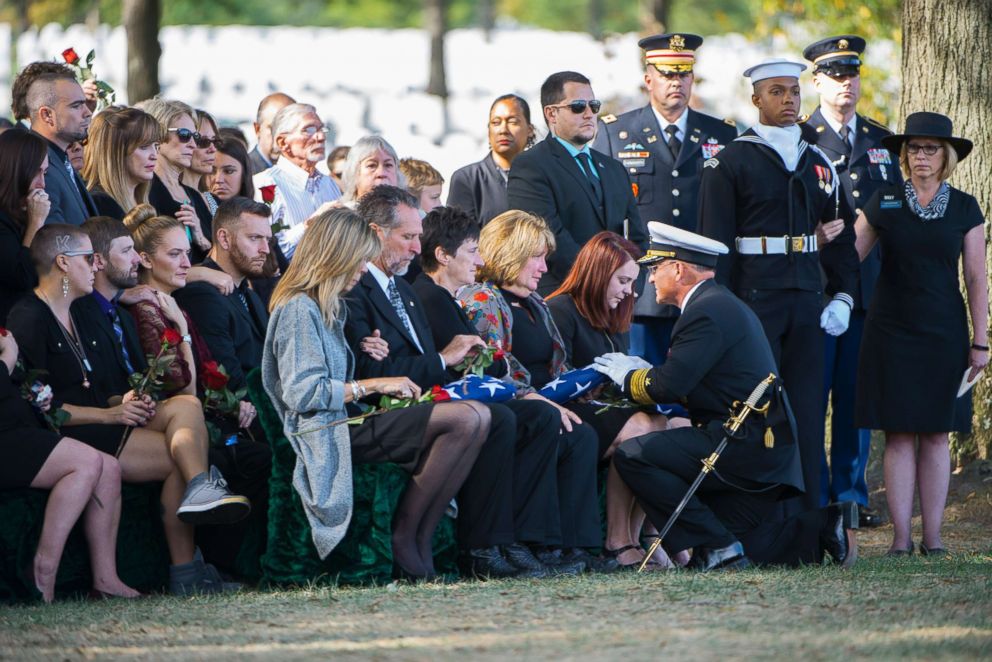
x=402, y=575
x=936, y=552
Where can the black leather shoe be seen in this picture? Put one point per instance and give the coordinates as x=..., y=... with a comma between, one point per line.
x=869, y=518
x=731, y=557
x=837, y=533
x=597, y=564
x=555, y=562
x=401, y=575
x=485, y=563
x=527, y=565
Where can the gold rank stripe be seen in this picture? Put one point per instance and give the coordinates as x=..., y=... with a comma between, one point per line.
x=639, y=382
x=835, y=54
x=656, y=253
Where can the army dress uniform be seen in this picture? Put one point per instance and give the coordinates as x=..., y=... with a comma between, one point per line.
x=664, y=184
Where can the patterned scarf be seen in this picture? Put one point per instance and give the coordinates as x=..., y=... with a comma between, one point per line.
x=937, y=206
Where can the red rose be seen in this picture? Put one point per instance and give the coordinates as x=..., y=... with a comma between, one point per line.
x=209, y=366
x=438, y=394
x=499, y=355
x=70, y=56
x=3, y=332
x=268, y=193
x=171, y=337
x=213, y=378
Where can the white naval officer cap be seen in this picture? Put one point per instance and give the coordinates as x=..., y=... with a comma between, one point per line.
x=671, y=243
x=774, y=68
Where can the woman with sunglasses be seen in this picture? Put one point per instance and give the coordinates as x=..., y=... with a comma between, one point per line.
x=23, y=209
x=120, y=159
x=915, y=348
x=169, y=194
x=480, y=188
x=204, y=156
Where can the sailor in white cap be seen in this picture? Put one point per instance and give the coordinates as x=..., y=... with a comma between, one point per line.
x=719, y=353
x=773, y=199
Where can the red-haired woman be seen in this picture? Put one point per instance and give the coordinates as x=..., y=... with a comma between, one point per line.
x=593, y=309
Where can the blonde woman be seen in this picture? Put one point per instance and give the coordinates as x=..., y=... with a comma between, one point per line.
x=119, y=162
x=307, y=370
x=204, y=157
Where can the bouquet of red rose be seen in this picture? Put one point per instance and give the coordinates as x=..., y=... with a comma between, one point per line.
x=476, y=362
x=150, y=382
x=105, y=94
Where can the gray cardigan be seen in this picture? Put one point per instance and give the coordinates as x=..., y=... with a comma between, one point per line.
x=305, y=366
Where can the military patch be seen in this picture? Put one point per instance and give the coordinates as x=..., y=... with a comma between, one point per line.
x=694, y=139
x=711, y=163
x=711, y=150
x=879, y=155
x=622, y=135
x=609, y=119
x=890, y=202
x=634, y=146
x=646, y=129
x=633, y=164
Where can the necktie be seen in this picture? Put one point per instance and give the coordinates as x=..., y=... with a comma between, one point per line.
x=115, y=320
x=845, y=133
x=597, y=190
x=674, y=144
x=397, y=303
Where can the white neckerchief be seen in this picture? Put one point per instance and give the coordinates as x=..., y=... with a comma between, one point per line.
x=784, y=140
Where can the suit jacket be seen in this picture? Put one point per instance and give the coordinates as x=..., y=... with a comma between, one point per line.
x=719, y=354
x=258, y=162
x=234, y=334
x=547, y=181
x=869, y=168
x=369, y=309
x=71, y=202
x=666, y=189
x=479, y=189
x=17, y=274
x=95, y=326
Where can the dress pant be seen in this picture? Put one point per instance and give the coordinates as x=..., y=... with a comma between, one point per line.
x=650, y=338
x=844, y=478
x=578, y=499
x=535, y=466
x=485, y=501
x=659, y=468
x=791, y=319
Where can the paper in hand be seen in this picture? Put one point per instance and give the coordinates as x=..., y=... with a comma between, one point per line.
x=966, y=383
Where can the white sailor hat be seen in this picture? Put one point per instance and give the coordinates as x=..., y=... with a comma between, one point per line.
x=671, y=243
x=774, y=68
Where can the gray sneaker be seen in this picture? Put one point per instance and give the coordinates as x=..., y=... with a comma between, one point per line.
x=198, y=578
x=208, y=501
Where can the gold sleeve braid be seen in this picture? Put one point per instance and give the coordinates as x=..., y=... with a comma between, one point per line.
x=639, y=382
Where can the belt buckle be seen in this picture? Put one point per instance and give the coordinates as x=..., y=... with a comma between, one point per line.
x=798, y=244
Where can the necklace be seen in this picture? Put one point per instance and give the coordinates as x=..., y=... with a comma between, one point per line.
x=74, y=341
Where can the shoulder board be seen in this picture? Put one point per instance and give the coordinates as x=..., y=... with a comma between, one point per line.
x=609, y=119
x=729, y=121
x=802, y=118
x=876, y=124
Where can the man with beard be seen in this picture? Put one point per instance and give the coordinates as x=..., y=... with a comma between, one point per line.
x=265, y=153
x=577, y=190
x=47, y=94
x=233, y=326
x=301, y=189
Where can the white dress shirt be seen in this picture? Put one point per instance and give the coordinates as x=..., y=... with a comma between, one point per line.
x=681, y=124
x=298, y=195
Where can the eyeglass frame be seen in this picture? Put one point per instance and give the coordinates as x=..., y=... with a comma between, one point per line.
x=310, y=131
x=573, y=105
x=87, y=254
x=191, y=135
x=216, y=141
x=916, y=148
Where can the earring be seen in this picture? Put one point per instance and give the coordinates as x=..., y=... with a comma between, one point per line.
x=65, y=287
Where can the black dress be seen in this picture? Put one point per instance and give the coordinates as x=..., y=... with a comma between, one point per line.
x=107, y=206
x=915, y=345
x=163, y=202
x=24, y=444
x=17, y=274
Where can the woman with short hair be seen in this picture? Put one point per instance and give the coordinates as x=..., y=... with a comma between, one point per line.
x=371, y=162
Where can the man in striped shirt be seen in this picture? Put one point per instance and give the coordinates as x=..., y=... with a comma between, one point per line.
x=300, y=188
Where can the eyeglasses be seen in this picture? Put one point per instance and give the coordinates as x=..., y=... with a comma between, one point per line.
x=86, y=254
x=311, y=131
x=929, y=150
x=579, y=106
x=185, y=135
x=203, y=142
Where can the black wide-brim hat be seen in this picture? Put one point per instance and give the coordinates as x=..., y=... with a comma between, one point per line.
x=928, y=125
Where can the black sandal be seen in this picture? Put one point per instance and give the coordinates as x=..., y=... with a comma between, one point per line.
x=615, y=554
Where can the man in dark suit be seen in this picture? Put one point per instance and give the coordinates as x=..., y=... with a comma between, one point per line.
x=59, y=112
x=662, y=146
x=577, y=190
x=719, y=355
x=853, y=143
x=265, y=153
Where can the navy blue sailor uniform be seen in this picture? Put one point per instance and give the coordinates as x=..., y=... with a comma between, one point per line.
x=863, y=167
x=666, y=190
x=767, y=216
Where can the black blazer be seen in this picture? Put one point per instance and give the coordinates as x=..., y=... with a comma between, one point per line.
x=583, y=343
x=479, y=189
x=234, y=334
x=719, y=354
x=369, y=309
x=546, y=181
x=163, y=202
x=107, y=206
x=258, y=162
x=17, y=274
x=71, y=202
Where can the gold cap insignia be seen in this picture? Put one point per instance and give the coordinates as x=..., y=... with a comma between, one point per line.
x=677, y=43
x=842, y=44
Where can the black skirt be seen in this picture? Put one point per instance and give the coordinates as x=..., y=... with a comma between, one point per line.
x=24, y=451
x=105, y=438
x=396, y=436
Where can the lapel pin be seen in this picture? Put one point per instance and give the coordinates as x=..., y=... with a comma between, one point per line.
x=623, y=135
x=652, y=139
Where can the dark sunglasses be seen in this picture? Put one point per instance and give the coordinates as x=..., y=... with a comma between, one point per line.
x=203, y=142
x=86, y=255
x=579, y=106
x=185, y=135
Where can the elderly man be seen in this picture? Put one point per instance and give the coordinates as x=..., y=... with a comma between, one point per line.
x=47, y=92
x=719, y=355
x=774, y=199
x=301, y=189
x=853, y=144
x=579, y=191
x=265, y=154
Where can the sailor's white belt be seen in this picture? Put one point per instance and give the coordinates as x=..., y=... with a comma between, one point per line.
x=776, y=245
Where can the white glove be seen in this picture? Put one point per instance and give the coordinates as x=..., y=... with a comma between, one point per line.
x=617, y=366
x=835, y=318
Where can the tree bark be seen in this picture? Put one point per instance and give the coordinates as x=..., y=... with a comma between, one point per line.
x=596, y=13
x=141, y=20
x=487, y=17
x=946, y=68
x=435, y=14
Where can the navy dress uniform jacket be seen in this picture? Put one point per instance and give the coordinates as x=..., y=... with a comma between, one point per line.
x=479, y=190
x=547, y=181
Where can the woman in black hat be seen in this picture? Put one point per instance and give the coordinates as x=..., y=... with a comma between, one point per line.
x=915, y=346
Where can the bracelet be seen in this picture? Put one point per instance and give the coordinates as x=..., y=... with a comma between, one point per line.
x=354, y=390
x=980, y=348
x=188, y=339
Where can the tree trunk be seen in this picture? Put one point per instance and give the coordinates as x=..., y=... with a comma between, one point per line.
x=946, y=68
x=654, y=16
x=141, y=20
x=487, y=17
x=435, y=16
x=596, y=12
